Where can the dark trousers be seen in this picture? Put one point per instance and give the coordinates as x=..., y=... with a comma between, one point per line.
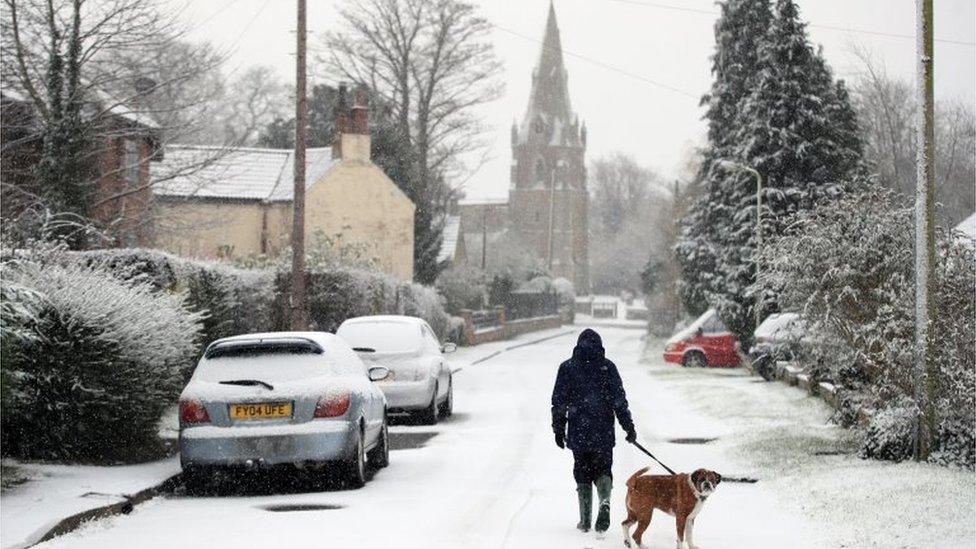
x=591, y=464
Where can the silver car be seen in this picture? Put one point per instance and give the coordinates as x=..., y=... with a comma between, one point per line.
x=420, y=381
x=299, y=398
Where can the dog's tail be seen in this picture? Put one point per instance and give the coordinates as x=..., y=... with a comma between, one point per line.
x=633, y=478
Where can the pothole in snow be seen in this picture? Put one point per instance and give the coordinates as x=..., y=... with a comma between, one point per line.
x=291, y=507
x=410, y=440
x=691, y=440
x=830, y=453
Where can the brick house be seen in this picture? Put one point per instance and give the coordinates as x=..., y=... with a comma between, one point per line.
x=123, y=145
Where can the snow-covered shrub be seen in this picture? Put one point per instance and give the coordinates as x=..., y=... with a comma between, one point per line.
x=99, y=361
x=232, y=300
x=849, y=269
x=891, y=434
x=564, y=289
x=462, y=288
x=338, y=294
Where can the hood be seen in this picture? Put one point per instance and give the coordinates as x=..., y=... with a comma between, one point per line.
x=589, y=346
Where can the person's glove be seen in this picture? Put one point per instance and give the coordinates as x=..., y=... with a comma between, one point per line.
x=631, y=435
x=561, y=440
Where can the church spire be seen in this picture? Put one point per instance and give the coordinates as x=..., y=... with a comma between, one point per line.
x=549, y=99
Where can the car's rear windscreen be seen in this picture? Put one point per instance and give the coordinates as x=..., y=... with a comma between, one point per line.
x=262, y=347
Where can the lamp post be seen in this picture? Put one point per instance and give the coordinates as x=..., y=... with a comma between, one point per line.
x=733, y=167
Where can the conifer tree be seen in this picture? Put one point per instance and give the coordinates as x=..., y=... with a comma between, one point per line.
x=738, y=34
x=796, y=126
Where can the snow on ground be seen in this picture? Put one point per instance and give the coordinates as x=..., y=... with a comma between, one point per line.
x=55, y=492
x=491, y=476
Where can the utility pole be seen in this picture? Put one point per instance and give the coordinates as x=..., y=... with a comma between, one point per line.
x=925, y=280
x=735, y=166
x=298, y=203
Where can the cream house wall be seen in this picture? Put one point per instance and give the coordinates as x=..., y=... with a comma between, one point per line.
x=357, y=201
x=208, y=228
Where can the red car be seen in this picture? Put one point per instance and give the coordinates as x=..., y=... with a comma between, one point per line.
x=705, y=342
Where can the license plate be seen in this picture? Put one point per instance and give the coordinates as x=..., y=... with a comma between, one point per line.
x=260, y=410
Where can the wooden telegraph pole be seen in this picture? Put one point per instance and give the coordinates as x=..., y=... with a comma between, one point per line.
x=298, y=204
x=925, y=280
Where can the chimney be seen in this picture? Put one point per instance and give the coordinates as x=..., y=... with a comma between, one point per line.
x=351, y=126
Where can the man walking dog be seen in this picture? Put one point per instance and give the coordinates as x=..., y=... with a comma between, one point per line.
x=587, y=395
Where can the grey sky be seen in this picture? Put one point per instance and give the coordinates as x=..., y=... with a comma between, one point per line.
x=626, y=59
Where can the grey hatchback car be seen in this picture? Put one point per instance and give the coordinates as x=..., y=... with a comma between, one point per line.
x=299, y=398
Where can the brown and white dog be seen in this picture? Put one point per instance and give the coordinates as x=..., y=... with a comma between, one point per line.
x=680, y=496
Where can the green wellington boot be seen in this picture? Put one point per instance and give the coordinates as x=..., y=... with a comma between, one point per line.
x=603, y=486
x=585, y=494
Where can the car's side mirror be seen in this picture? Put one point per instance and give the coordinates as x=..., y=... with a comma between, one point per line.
x=449, y=347
x=699, y=332
x=379, y=373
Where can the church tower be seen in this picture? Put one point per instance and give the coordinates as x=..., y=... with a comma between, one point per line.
x=548, y=197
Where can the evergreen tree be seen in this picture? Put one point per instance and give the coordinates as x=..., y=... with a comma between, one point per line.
x=739, y=32
x=797, y=128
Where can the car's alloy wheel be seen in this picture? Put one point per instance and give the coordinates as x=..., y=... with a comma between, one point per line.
x=356, y=467
x=379, y=456
x=694, y=360
x=429, y=414
x=447, y=407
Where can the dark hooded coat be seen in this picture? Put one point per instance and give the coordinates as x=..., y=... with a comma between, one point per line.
x=587, y=395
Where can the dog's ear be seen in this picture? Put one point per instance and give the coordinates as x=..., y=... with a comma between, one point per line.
x=718, y=478
x=696, y=478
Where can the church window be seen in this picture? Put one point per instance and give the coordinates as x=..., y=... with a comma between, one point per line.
x=540, y=171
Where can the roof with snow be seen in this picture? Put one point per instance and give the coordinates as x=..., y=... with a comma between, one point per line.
x=451, y=234
x=240, y=173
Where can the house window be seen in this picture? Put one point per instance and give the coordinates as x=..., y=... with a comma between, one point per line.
x=131, y=162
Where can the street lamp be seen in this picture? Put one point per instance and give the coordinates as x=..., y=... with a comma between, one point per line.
x=731, y=166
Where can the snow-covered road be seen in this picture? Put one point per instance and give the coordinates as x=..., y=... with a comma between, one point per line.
x=492, y=477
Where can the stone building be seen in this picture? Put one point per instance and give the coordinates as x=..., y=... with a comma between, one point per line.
x=239, y=201
x=547, y=203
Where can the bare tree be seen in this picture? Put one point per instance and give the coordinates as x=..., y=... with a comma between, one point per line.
x=253, y=101
x=886, y=114
x=82, y=66
x=432, y=63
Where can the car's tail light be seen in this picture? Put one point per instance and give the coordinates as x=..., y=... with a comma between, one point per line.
x=193, y=411
x=332, y=405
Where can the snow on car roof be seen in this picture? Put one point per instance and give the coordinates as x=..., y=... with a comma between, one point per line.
x=386, y=318
x=775, y=323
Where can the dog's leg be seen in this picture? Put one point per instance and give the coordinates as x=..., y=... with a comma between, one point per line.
x=626, y=524
x=642, y=524
x=690, y=534
x=679, y=522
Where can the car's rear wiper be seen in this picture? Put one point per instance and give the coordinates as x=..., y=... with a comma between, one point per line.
x=248, y=382
x=364, y=349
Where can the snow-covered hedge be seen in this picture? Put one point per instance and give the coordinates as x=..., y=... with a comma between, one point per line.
x=463, y=288
x=90, y=361
x=849, y=269
x=232, y=300
x=338, y=294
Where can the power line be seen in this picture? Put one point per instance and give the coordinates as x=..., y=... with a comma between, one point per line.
x=815, y=25
x=603, y=65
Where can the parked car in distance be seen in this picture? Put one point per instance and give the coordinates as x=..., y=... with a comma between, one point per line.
x=777, y=338
x=298, y=398
x=420, y=381
x=704, y=342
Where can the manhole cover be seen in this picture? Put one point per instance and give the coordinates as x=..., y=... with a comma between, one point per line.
x=290, y=507
x=409, y=440
x=691, y=440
